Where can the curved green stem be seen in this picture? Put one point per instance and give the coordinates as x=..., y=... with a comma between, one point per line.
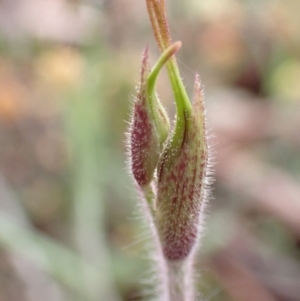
x=164, y=58
x=160, y=27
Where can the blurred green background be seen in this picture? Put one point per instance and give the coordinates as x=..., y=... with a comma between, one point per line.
x=69, y=222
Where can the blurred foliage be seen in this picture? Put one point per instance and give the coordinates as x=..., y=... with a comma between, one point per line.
x=68, y=223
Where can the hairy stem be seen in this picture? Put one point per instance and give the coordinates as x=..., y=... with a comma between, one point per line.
x=180, y=280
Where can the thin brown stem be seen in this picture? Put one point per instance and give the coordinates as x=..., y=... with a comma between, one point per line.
x=155, y=25
x=161, y=17
x=163, y=4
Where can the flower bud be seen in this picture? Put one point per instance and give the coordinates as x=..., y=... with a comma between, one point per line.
x=150, y=124
x=181, y=174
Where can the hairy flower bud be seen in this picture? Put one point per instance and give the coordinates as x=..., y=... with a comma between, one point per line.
x=150, y=124
x=180, y=191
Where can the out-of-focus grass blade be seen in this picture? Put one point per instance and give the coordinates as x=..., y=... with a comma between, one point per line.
x=86, y=127
x=58, y=261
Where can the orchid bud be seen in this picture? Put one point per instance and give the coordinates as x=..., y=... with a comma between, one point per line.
x=181, y=172
x=170, y=167
x=150, y=124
